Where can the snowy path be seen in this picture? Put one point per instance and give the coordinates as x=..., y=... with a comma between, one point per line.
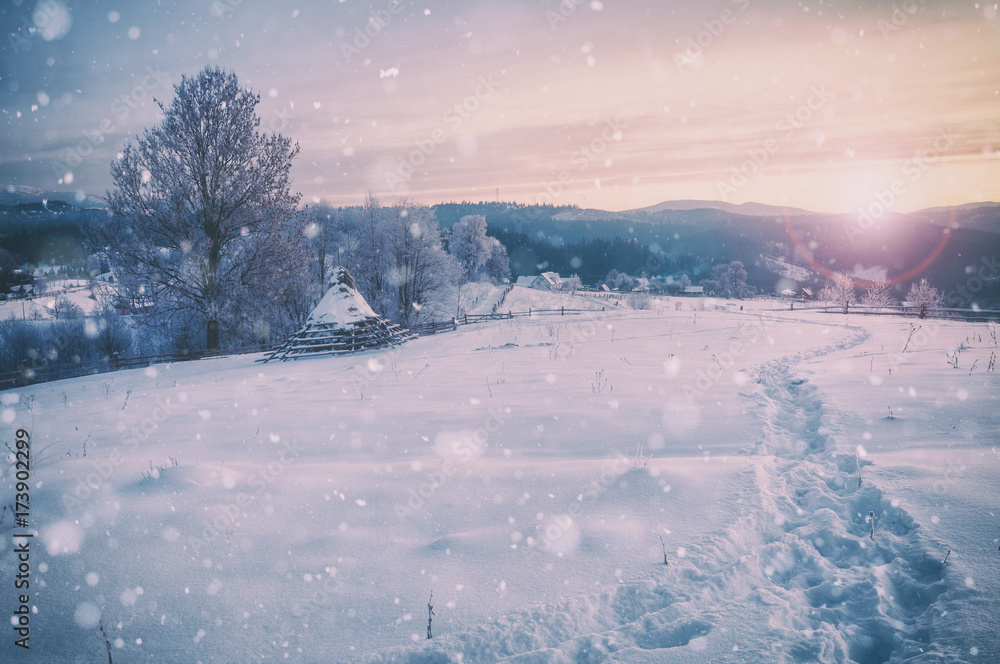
x=796, y=568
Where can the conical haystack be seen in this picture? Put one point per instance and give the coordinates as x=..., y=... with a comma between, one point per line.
x=341, y=323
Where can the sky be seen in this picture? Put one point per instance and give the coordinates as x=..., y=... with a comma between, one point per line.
x=610, y=104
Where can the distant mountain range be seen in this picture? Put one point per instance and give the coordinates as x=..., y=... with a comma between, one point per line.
x=975, y=215
x=17, y=194
x=777, y=244
x=781, y=247
x=748, y=209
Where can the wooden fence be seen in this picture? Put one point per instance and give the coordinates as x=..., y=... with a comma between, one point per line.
x=437, y=327
x=971, y=315
x=43, y=373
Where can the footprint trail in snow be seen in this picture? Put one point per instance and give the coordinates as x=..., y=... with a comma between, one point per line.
x=795, y=577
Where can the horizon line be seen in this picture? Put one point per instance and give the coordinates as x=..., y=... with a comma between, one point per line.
x=339, y=201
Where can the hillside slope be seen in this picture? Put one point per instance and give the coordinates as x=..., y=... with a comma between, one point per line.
x=525, y=471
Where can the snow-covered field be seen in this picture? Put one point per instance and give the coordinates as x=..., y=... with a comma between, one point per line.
x=75, y=290
x=525, y=471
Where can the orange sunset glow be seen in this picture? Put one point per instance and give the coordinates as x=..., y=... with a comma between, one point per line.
x=615, y=105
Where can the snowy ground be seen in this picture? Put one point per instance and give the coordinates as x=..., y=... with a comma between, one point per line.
x=75, y=290
x=239, y=512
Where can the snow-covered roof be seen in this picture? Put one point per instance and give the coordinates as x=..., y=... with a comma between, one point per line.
x=342, y=304
x=526, y=281
x=552, y=278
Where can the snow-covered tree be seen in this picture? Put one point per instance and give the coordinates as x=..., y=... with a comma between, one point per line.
x=422, y=271
x=572, y=283
x=616, y=280
x=111, y=334
x=318, y=218
x=201, y=211
x=371, y=260
x=879, y=295
x=924, y=296
x=498, y=264
x=65, y=309
x=840, y=290
x=729, y=280
x=469, y=245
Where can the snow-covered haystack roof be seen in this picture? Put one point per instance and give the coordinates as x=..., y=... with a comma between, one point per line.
x=342, y=305
x=341, y=323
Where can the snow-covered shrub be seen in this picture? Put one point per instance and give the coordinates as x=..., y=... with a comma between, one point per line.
x=640, y=301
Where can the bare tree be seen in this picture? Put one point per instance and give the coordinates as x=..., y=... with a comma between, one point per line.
x=202, y=204
x=112, y=336
x=421, y=269
x=372, y=258
x=729, y=280
x=924, y=296
x=879, y=295
x=840, y=289
x=65, y=309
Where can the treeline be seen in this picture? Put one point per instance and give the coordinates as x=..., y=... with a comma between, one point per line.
x=52, y=234
x=592, y=258
x=27, y=346
x=499, y=214
x=404, y=264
